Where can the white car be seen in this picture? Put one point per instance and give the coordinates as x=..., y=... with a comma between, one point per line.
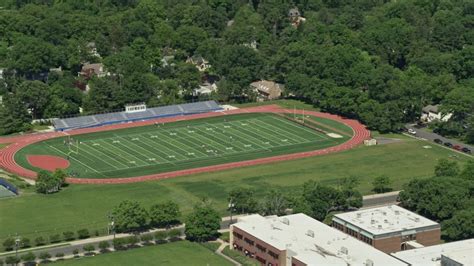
x=411, y=131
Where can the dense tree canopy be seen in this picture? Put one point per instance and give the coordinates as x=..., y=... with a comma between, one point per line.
x=377, y=61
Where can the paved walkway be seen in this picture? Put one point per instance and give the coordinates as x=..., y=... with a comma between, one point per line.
x=221, y=248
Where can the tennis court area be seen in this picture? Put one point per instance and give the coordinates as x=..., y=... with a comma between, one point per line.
x=180, y=145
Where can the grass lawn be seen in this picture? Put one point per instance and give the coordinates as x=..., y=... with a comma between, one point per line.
x=181, y=145
x=86, y=206
x=239, y=257
x=285, y=103
x=177, y=253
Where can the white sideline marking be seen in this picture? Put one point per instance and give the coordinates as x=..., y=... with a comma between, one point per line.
x=248, y=145
x=284, y=140
x=135, y=139
x=191, y=131
x=226, y=126
x=132, y=162
x=172, y=134
x=151, y=159
x=95, y=144
x=229, y=148
x=116, y=141
x=171, y=156
x=154, y=136
x=190, y=153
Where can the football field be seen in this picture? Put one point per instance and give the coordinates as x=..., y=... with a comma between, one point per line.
x=181, y=145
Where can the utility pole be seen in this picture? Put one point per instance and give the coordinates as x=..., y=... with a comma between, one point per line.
x=231, y=207
x=17, y=245
x=111, y=224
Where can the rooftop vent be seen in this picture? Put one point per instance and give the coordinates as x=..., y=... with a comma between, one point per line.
x=385, y=221
x=359, y=215
x=379, y=226
x=384, y=213
x=344, y=250
x=372, y=221
x=369, y=263
x=397, y=212
x=417, y=219
x=285, y=221
x=310, y=233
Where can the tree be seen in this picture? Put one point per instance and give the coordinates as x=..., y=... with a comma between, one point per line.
x=445, y=167
x=129, y=216
x=437, y=198
x=35, y=96
x=165, y=214
x=25, y=242
x=9, y=244
x=202, y=224
x=381, y=184
x=319, y=200
x=14, y=115
x=54, y=238
x=467, y=172
x=243, y=200
x=274, y=203
x=47, y=183
x=460, y=226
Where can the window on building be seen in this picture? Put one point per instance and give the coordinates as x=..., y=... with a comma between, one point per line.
x=261, y=260
x=409, y=237
x=239, y=236
x=273, y=254
x=352, y=232
x=250, y=242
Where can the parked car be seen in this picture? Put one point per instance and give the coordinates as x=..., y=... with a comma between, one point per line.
x=447, y=144
x=438, y=141
x=411, y=131
x=457, y=147
x=466, y=150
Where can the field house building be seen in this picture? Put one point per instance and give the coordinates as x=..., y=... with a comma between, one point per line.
x=459, y=253
x=389, y=229
x=297, y=239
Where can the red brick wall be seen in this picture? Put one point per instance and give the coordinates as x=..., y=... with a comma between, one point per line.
x=429, y=238
x=388, y=245
x=256, y=253
x=295, y=262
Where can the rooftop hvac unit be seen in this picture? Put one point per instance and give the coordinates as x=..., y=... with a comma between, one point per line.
x=369, y=263
x=417, y=219
x=380, y=226
x=310, y=233
x=344, y=250
x=285, y=221
x=372, y=221
x=397, y=212
x=386, y=221
x=359, y=215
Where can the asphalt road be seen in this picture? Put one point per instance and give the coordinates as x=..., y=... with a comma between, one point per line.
x=423, y=133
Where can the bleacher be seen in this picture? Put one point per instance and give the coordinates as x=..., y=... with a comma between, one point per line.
x=123, y=117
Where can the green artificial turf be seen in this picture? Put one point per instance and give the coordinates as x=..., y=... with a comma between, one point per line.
x=86, y=206
x=180, y=145
x=177, y=253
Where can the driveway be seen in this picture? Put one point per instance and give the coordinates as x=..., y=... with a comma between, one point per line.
x=425, y=134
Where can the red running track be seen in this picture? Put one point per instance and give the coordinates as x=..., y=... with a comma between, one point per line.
x=8, y=163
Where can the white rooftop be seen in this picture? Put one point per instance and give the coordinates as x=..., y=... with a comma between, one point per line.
x=383, y=220
x=459, y=251
x=326, y=246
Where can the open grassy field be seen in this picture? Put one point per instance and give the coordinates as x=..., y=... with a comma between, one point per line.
x=181, y=145
x=177, y=253
x=86, y=206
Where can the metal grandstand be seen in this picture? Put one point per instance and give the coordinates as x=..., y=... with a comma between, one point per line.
x=122, y=117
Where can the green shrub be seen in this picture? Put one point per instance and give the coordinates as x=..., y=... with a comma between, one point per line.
x=40, y=241
x=161, y=235
x=104, y=245
x=12, y=260
x=174, y=233
x=59, y=255
x=75, y=252
x=146, y=238
x=55, y=238
x=44, y=256
x=88, y=248
x=68, y=235
x=28, y=257
x=25, y=242
x=118, y=243
x=132, y=240
x=83, y=233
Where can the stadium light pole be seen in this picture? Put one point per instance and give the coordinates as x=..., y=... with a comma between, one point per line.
x=111, y=224
x=17, y=245
x=231, y=207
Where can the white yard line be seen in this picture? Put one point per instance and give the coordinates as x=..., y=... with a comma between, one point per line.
x=75, y=159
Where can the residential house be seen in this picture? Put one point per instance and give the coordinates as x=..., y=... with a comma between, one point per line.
x=167, y=60
x=205, y=89
x=200, y=62
x=267, y=90
x=295, y=17
x=89, y=70
x=433, y=113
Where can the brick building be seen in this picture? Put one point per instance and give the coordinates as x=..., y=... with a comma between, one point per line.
x=297, y=239
x=389, y=229
x=459, y=253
